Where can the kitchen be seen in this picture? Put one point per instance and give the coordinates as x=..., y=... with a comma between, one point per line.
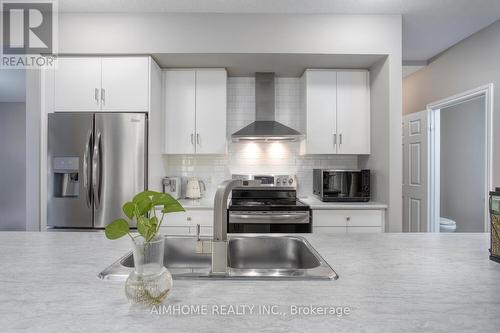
x=338, y=98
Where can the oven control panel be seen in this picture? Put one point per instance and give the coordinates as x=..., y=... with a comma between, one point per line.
x=271, y=180
x=285, y=181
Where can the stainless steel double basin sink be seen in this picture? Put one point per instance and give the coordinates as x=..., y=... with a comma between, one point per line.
x=264, y=257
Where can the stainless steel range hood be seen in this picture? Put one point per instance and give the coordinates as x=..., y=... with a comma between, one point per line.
x=265, y=127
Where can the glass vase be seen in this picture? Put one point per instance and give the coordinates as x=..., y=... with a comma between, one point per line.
x=150, y=283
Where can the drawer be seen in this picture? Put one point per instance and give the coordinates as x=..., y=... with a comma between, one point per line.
x=363, y=218
x=328, y=218
x=351, y=218
x=329, y=230
x=363, y=230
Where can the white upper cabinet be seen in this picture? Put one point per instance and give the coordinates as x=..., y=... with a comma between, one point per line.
x=77, y=84
x=353, y=112
x=180, y=108
x=211, y=102
x=125, y=84
x=102, y=84
x=337, y=106
x=195, y=111
x=321, y=109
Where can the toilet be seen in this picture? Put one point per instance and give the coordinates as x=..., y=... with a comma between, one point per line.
x=447, y=225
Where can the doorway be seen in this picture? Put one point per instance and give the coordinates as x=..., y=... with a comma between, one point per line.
x=462, y=166
x=460, y=162
x=457, y=189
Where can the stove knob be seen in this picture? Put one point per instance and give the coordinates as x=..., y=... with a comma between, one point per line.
x=290, y=181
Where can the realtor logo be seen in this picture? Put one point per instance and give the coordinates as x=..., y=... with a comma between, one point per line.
x=28, y=33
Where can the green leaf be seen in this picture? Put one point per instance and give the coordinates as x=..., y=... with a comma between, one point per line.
x=161, y=199
x=117, y=229
x=173, y=207
x=144, y=206
x=144, y=195
x=129, y=209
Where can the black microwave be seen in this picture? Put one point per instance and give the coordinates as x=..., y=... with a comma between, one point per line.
x=342, y=185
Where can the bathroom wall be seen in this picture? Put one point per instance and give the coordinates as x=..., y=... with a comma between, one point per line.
x=463, y=165
x=255, y=158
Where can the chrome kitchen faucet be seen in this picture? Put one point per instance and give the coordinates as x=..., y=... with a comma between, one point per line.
x=219, y=242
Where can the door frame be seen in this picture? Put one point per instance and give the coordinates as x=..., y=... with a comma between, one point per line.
x=486, y=92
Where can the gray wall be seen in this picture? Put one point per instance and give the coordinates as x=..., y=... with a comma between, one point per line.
x=462, y=165
x=12, y=166
x=467, y=65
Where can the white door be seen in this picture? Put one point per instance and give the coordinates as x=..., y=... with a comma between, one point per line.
x=211, y=111
x=353, y=112
x=415, y=170
x=321, y=108
x=77, y=84
x=179, y=120
x=125, y=84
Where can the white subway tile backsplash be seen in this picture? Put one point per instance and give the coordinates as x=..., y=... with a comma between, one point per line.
x=254, y=158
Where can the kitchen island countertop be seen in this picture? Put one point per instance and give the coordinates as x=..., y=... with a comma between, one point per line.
x=389, y=283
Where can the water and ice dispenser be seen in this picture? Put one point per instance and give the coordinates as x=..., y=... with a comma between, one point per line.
x=66, y=176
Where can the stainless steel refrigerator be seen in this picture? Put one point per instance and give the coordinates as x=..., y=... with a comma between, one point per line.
x=96, y=162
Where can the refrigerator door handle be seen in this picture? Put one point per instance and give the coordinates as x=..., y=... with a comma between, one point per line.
x=86, y=173
x=96, y=170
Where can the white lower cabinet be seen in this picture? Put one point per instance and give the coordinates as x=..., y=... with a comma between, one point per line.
x=184, y=223
x=348, y=221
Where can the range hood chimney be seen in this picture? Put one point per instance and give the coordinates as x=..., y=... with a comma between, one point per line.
x=265, y=128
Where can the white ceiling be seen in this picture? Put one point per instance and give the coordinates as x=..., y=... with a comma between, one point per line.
x=12, y=85
x=429, y=26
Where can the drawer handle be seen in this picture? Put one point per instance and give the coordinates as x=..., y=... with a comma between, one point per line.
x=348, y=218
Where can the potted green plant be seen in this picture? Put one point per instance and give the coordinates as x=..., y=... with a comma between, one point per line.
x=150, y=282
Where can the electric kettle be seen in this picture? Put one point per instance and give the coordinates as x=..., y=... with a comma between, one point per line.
x=195, y=188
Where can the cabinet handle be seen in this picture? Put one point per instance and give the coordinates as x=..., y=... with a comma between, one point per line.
x=192, y=138
x=96, y=95
x=197, y=138
x=340, y=138
x=348, y=218
x=103, y=95
x=334, y=139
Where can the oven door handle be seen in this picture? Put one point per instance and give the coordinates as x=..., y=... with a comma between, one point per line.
x=302, y=218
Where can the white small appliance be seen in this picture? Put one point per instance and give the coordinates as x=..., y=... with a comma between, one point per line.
x=172, y=186
x=195, y=188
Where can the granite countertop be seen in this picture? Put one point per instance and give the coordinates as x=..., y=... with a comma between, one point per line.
x=315, y=203
x=389, y=282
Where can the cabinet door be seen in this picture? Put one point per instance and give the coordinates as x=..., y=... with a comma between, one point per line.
x=77, y=83
x=321, y=104
x=179, y=120
x=211, y=111
x=353, y=112
x=125, y=84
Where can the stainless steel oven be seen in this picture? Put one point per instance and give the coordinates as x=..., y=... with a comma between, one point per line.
x=272, y=207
